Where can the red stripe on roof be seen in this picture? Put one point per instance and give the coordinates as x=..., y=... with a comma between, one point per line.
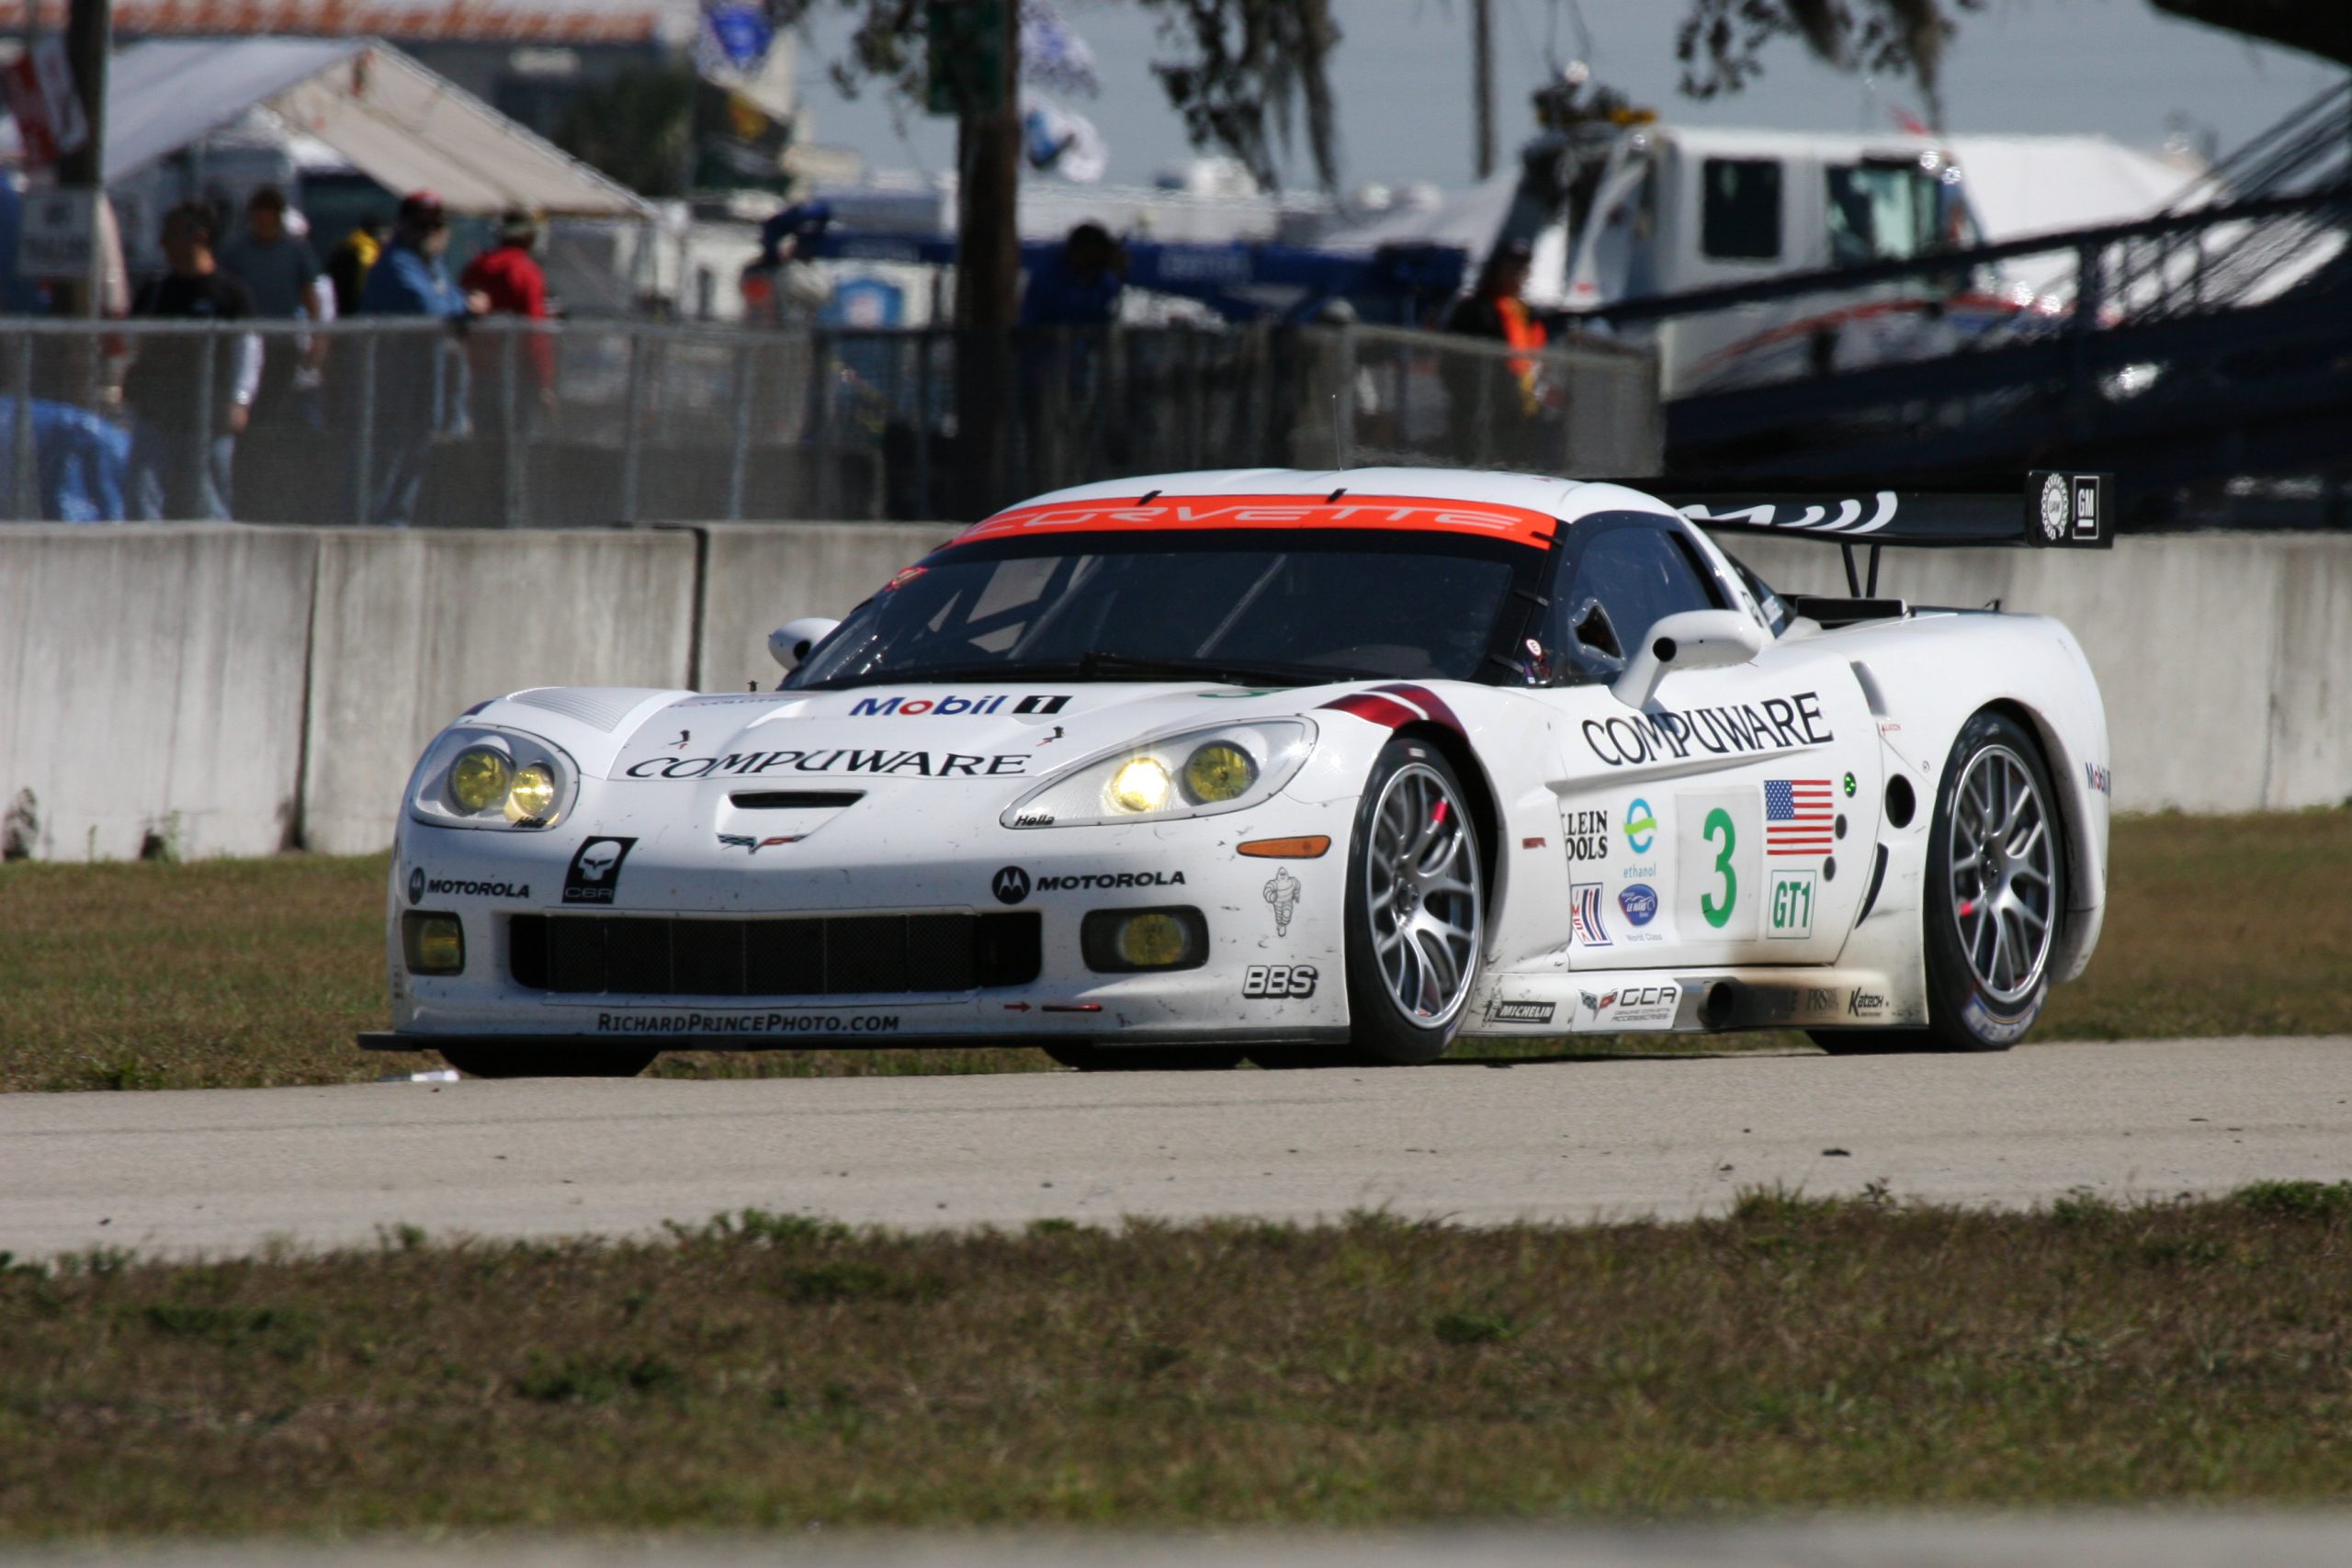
x=1186, y=513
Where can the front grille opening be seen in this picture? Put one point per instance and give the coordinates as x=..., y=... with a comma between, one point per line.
x=828, y=956
x=794, y=799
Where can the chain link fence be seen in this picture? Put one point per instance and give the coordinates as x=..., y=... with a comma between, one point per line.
x=509, y=424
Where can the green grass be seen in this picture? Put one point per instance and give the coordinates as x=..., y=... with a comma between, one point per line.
x=144, y=976
x=768, y=1371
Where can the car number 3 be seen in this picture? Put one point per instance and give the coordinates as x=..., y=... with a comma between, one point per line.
x=1279, y=980
x=1718, y=915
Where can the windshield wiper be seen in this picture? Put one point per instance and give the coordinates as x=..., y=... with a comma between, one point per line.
x=1097, y=665
x=1239, y=673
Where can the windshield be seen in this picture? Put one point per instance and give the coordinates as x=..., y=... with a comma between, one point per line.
x=1248, y=606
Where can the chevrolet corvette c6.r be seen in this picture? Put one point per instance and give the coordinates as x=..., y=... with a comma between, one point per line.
x=1306, y=767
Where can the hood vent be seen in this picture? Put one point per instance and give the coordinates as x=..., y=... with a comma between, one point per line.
x=794, y=799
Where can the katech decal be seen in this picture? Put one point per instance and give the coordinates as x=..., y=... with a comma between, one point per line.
x=1783, y=724
x=1519, y=1012
x=1584, y=835
x=1866, y=1004
x=595, y=871
x=420, y=884
x=1279, y=980
x=1282, y=896
x=746, y=1023
x=952, y=706
x=749, y=764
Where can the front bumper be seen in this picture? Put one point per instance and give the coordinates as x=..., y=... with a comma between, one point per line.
x=1263, y=916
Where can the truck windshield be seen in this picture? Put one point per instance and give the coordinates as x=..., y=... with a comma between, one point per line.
x=1243, y=605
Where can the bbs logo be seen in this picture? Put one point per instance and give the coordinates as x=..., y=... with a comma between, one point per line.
x=1279, y=980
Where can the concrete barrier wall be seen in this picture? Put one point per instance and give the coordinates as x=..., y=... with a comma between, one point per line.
x=758, y=576
x=2225, y=659
x=412, y=628
x=229, y=690
x=151, y=687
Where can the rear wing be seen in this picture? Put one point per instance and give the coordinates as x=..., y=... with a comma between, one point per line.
x=2057, y=511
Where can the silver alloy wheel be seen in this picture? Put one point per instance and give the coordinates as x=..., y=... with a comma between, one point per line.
x=2003, y=882
x=1421, y=873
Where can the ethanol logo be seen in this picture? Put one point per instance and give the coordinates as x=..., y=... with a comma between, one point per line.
x=1641, y=828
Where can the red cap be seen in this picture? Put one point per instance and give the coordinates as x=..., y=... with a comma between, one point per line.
x=422, y=206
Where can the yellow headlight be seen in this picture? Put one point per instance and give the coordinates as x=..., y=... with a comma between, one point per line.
x=1139, y=785
x=1219, y=771
x=1152, y=941
x=479, y=781
x=532, y=796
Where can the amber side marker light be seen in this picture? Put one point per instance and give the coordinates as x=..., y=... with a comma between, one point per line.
x=1307, y=847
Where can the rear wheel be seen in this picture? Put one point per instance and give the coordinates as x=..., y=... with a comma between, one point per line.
x=1415, y=913
x=1088, y=1057
x=1996, y=892
x=495, y=1061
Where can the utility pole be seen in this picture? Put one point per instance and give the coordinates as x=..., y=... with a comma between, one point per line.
x=988, y=269
x=89, y=36
x=1482, y=83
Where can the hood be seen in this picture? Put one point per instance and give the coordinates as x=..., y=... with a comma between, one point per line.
x=917, y=733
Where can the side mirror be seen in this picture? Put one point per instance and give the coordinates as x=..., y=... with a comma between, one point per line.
x=790, y=643
x=1694, y=639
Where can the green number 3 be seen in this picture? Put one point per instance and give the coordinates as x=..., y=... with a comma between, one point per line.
x=1717, y=914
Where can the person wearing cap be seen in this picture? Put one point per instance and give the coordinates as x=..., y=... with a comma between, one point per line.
x=414, y=399
x=275, y=262
x=1496, y=409
x=509, y=279
x=189, y=395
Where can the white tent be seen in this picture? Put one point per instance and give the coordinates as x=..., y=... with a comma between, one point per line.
x=401, y=125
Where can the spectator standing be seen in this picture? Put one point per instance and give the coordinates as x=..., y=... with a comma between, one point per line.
x=285, y=481
x=413, y=400
x=349, y=262
x=185, y=430
x=511, y=282
x=1082, y=287
x=1496, y=407
x=282, y=276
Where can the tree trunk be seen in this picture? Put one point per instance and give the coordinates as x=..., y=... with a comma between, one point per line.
x=987, y=289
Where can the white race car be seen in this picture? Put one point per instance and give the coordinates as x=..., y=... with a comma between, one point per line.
x=1305, y=767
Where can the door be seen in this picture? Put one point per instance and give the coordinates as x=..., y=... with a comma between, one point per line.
x=1735, y=820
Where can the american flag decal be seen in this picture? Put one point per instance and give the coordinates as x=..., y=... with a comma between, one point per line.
x=1799, y=816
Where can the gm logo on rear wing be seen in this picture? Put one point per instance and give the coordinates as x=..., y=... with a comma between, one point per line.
x=2060, y=510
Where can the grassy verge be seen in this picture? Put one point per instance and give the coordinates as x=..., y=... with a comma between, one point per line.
x=769, y=1372
x=259, y=972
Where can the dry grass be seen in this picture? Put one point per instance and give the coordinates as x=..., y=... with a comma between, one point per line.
x=771, y=1372
x=260, y=971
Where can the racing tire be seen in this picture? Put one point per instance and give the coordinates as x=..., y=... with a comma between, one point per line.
x=491, y=1061
x=1088, y=1057
x=1996, y=899
x=1416, y=911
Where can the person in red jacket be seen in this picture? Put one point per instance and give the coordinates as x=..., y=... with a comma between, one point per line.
x=509, y=277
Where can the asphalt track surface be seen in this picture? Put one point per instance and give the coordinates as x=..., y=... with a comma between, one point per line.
x=226, y=1170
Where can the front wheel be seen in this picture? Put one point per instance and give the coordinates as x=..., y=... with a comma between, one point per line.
x=1996, y=892
x=1416, y=908
x=481, y=1060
